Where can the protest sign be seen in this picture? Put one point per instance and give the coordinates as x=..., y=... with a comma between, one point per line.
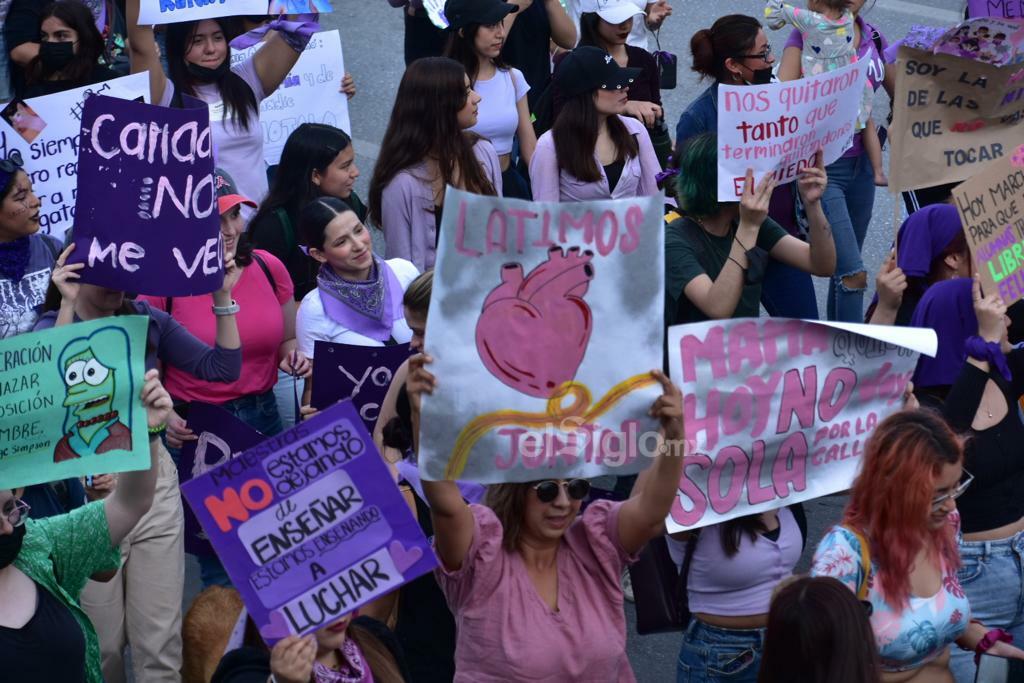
x=220, y=437
x=545, y=321
x=780, y=126
x=310, y=93
x=70, y=401
x=777, y=411
x=309, y=524
x=145, y=215
x=50, y=154
x=361, y=374
x=1008, y=9
x=175, y=11
x=991, y=207
x=951, y=117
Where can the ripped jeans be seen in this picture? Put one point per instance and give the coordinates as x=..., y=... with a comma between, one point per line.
x=848, y=202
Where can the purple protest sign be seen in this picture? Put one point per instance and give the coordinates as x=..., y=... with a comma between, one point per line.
x=145, y=209
x=221, y=436
x=1007, y=9
x=361, y=374
x=309, y=524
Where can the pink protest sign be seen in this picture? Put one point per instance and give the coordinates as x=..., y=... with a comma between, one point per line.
x=778, y=411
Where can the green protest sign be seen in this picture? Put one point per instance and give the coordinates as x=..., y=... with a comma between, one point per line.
x=69, y=401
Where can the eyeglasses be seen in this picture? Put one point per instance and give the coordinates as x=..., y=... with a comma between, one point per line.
x=16, y=512
x=938, y=501
x=548, y=490
x=763, y=56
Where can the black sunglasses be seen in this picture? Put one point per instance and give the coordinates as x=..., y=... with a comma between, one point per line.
x=548, y=490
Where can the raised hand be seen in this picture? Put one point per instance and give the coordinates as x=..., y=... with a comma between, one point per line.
x=755, y=200
x=668, y=408
x=991, y=312
x=813, y=180
x=890, y=283
x=65, y=276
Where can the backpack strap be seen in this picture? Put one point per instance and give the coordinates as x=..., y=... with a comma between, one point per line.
x=289, y=232
x=266, y=270
x=865, y=564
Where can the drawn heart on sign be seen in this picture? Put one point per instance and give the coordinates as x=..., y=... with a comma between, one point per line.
x=276, y=628
x=533, y=331
x=404, y=557
x=816, y=48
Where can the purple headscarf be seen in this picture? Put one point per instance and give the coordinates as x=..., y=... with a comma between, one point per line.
x=924, y=236
x=948, y=308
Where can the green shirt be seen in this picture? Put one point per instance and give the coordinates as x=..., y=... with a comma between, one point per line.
x=690, y=251
x=60, y=554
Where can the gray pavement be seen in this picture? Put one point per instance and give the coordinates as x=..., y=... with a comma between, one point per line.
x=372, y=33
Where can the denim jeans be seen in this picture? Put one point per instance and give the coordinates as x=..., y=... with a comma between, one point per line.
x=992, y=577
x=5, y=71
x=284, y=394
x=848, y=202
x=788, y=292
x=710, y=654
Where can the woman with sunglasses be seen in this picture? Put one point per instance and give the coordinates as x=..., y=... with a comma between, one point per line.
x=896, y=549
x=44, y=633
x=534, y=587
x=978, y=399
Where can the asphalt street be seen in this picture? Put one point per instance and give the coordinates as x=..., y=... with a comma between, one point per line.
x=371, y=32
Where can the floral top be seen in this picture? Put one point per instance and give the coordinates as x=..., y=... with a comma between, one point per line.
x=910, y=637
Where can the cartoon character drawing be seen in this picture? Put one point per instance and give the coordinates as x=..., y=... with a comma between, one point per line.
x=98, y=399
x=533, y=331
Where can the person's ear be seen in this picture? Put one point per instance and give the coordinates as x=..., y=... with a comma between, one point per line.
x=317, y=255
x=315, y=177
x=734, y=67
x=18, y=493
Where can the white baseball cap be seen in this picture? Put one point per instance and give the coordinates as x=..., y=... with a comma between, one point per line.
x=612, y=11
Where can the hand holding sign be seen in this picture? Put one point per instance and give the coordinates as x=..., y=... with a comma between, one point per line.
x=668, y=409
x=990, y=310
x=813, y=180
x=755, y=201
x=156, y=399
x=65, y=277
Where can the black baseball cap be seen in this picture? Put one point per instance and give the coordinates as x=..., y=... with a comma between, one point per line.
x=462, y=13
x=588, y=68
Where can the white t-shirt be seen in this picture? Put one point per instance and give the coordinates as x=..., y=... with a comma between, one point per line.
x=497, y=115
x=312, y=323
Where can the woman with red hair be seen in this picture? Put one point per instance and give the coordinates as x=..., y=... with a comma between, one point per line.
x=898, y=542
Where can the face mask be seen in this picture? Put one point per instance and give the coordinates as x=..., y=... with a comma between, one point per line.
x=56, y=56
x=204, y=75
x=10, y=545
x=761, y=76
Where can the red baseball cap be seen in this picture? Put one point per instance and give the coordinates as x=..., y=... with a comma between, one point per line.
x=227, y=192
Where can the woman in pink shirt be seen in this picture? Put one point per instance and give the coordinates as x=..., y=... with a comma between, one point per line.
x=534, y=587
x=592, y=151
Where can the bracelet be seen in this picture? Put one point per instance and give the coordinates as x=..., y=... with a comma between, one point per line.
x=737, y=263
x=159, y=429
x=230, y=309
x=743, y=246
x=988, y=641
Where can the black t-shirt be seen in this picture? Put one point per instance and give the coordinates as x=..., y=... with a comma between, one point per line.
x=50, y=647
x=527, y=47
x=99, y=74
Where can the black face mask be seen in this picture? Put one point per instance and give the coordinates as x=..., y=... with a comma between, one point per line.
x=10, y=544
x=761, y=76
x=56, y=56
x=204, y=75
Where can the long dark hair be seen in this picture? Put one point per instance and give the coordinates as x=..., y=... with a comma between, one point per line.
x=424, y=122
x=90, y=43
x=589, y=21
x=730, y=37
x=460, y=47
x=734, y=530
x=316, y=216
x=575, y=134
x=818, y=632
x=240, y=103
x=310, y=147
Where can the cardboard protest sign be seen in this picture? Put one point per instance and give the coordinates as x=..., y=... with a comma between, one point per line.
x=993, y=40
x=780, y=126
x=146, y=217
x=46, y=141
x=952, y=116
x=361, y=374
x=70, y=401
x=175, y=11
x=310, y=525
x=991, y=207
x=310, y=93
x=222, y=436
x=1009, y=9
x=777, y=411
x=545, y=321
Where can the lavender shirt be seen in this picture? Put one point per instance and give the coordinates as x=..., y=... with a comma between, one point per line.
x=407, y=209
x=638, y=179
x=172, y=344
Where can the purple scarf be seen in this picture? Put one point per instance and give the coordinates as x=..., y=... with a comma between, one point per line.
x=369, y=308
x=925, y=235
x=947, y=308
x=354, y=668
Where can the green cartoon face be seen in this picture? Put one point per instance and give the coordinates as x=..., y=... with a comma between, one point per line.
x=90, y=386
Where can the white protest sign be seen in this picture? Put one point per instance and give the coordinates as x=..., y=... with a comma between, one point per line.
x=778, y=411
x=49, y=149
x=175, y=11
x=780, y=126
x=310, y=93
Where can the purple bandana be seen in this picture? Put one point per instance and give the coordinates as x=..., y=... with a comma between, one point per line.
x=296, y=33
x=924, y=236
x=369, y=308
x=354, y=668
x=948, y=308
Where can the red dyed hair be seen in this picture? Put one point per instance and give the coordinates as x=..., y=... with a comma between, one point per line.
x=891, y=499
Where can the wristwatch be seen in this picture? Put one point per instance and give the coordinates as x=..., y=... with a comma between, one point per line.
x=230, y=309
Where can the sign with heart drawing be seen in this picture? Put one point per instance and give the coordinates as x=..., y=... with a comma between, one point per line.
x=545, y=322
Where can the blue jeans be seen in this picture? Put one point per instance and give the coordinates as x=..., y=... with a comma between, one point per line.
x=848, y=202
x=788, y=292
x=5, y=71
x=284, y=394
x=710, y=654
x=992, y=577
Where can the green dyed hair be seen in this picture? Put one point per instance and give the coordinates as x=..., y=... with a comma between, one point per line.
x=697, y=182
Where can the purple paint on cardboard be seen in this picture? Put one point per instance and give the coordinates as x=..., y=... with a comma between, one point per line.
x=221, y=436
x=146, y=216
x=309, y=524
x=361, y=374
x=1007, y=9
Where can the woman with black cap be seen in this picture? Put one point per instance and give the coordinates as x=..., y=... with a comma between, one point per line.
x=593, y=151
